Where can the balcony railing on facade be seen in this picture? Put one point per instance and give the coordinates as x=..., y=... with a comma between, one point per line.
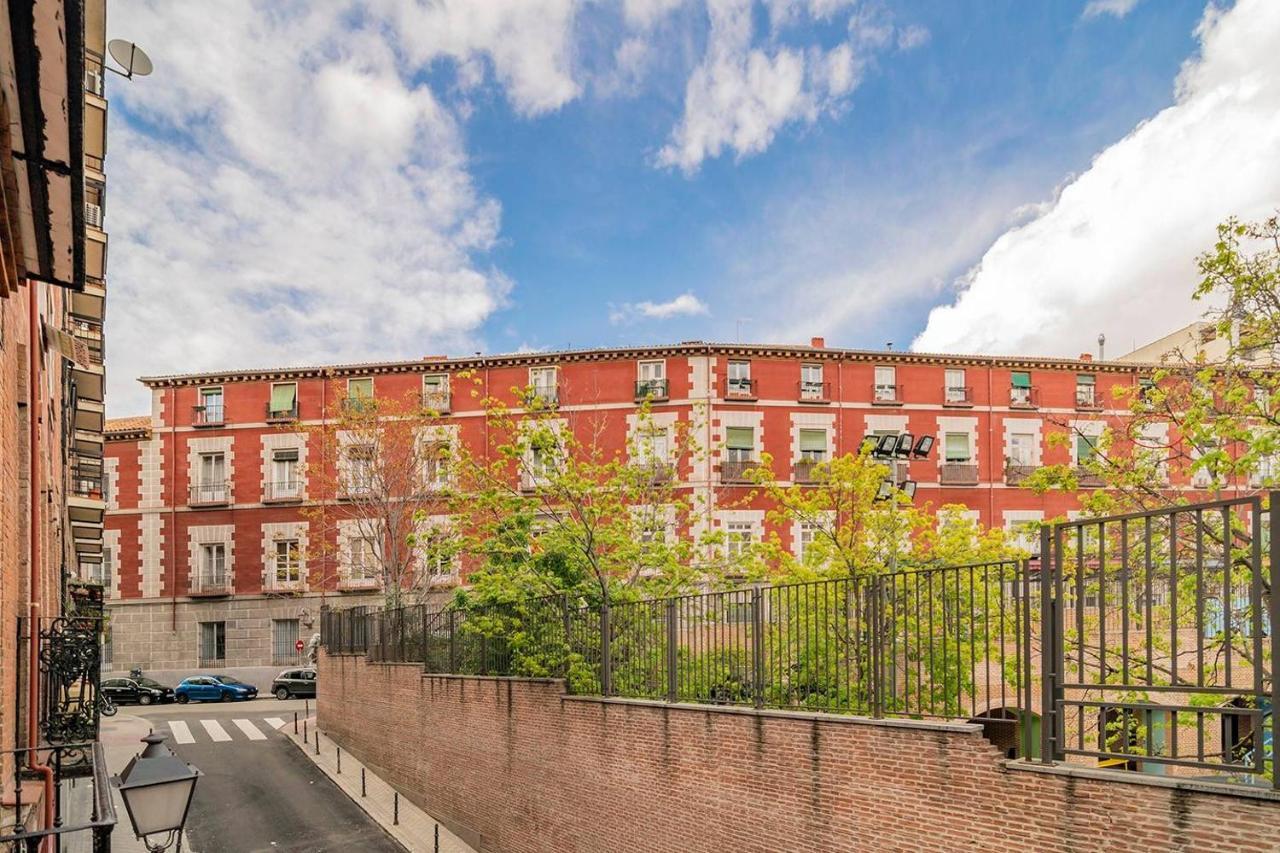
x=1015, y=473
x=886, y=395
x=285, y=582
x=275, y=415
x=543, y=396
x=655, y=471
x=740, y=389
x=79, y=822
x=208, y=415
x=814, y=392
x=350, y=406
x=958, y=474
x=357, y=580
x=1024, y=397
x=282, y=491
x=1087, y=400
x=735, y=470
x=957, y=395
x=436, y=401
x=1087, y=478
x=355, y=490
x=87, y=478
x=89, y=333
x=211, y=583
x=651, y=389
x=808, y=471
x=209, y=494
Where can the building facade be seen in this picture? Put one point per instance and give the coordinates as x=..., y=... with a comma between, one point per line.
x=215, y=558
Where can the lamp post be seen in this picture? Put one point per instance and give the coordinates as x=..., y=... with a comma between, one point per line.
x=157, y=787
x=892, y=449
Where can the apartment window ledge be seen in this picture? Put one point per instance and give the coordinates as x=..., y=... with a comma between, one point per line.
x=219, y=592
x=815, y=401
x=293, y=499
x=957, y=404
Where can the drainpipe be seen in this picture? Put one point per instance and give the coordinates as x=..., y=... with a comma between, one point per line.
x=992, y=468
x=34, y=347
x=173, y=510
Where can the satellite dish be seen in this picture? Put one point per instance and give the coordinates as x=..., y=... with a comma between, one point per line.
x=130, y=57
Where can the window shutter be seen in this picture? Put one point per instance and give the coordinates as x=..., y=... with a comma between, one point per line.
x=1021, y=379
x=282, y=397
x=957, y=445
x=740, y=438
x=1085, y=379
x=813, y=439
x=1084, y=448
x=285, y=455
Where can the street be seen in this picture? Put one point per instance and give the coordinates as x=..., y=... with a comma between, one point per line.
x=259, y=792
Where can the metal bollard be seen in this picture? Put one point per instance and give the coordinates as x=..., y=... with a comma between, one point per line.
x=437, y=846
x=339, y=759
x=306, y=705
x=362, y=790
x=295, y=722
x=317, y=741
x=395, y=818
x=304, y=731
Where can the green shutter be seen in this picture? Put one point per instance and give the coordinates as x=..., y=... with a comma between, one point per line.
x=1085, y=379
x=739, y=438
x=813, y=439
x=1021, y=379
x=282, y=397
x=1085, y=448
x=361, y=388
x=957, y=447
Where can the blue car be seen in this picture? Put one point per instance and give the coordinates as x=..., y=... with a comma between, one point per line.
x=213, y=688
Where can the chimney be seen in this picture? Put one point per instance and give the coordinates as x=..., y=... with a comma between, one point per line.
x=1086, y=356
x=818, y=343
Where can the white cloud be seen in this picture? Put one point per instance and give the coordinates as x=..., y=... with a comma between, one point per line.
x=1115, y=251
x=684, y=305
x=285, y=192
x=1117, y=8
x=912, y=36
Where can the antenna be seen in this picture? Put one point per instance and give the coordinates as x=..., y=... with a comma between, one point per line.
x=738, y=328
x=130, y=57
x=1102, y=343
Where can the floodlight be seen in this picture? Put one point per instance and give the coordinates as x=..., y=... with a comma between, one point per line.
x=923, y=445
x=903, y=447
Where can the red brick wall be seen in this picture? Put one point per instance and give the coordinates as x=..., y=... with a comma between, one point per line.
x=528, y=769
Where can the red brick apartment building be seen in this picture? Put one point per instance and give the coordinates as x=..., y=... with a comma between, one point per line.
x=208, y=493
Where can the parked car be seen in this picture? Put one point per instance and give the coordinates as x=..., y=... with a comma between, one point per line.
x=294, y=683
x=214, y=688
x=141, y=691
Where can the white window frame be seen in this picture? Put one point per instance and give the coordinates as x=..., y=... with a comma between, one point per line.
x=212, y=568
x=738, y=377
x=1030, y=448
x=954, y=382
x=739, y=536
x=541, y=387
x=287, y=560
x=812, y=386
x=362, y=559
x=886, y=383
x=968, y=442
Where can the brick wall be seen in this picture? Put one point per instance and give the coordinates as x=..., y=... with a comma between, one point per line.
x=514, y=765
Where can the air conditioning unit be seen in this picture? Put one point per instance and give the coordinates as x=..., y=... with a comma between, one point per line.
x=93, y=81
x=92, y=215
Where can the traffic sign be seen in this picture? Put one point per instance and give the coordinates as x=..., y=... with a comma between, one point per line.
x=298, y=645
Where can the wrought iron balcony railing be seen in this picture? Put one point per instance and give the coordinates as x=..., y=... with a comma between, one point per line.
x=958, y=474
x=735, y=471
x=210, y=494
x=1015, y=473
x=1024, y=397
x=886, y=395
x=814, y=392
x=651, y=389
x=211, y=583
x=808, y=470
x=208, y=415
x=436, y=401
x=955, y=395
x=740, y=389
x=275, y=415
x=282, y=491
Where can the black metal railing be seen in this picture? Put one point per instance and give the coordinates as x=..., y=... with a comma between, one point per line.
x=957, y=395
x=78, y=809
x=281, y=491
x=886, y=395
x=651, y=389
x=436, y=401
x=814, y=392
x=929, y=643
x=87, y=478
x=289, y=413
x=210, y=414
x=1164, y=642
x=1024, y=397
x=958, y=474
x=209, y=493
x=739, y=389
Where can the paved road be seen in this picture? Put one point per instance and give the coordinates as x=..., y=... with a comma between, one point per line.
x=259, y=792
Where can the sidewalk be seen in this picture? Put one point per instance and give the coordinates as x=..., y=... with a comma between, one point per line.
x=416, y=829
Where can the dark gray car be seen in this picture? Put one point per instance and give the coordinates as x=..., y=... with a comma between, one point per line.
x=295, y=683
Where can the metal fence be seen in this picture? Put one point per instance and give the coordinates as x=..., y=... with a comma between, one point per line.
x=946, y=643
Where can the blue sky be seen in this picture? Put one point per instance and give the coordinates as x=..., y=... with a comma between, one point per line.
x=299, y=185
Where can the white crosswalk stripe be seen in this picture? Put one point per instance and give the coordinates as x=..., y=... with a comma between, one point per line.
x=274, y=722
x=181, y=732
x=215, y=730
x=251, y=731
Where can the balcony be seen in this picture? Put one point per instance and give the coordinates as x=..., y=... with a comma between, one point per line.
x=88, y=334
x=1024, y=397
x=285, y=586
x=355, y=491
x=1087, y=400
x=542, y=397
x=282, y=492
x=655, y=472
x=807, y=471
x=210, y=494
x=1087, y=479
x=886, y=395
x=651, y=389
x=814, y=392
x=351, y=406
x=277, y=416
x=957, y=396
x=436, y=401
x=740, y=389
x=211, y=584
x=87, y=480
x=208, y=415
x=958, y=474
x=1014, y=474
x=735, y=471
x=358, y=583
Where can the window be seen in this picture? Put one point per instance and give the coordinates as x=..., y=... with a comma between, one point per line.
x=213, y=567
x=1022, y=447
x=811, y=386
x=435, y=464
x=435, y=391
x=543, y=382
x=653, y=447
x=886, y=388
x=284, y=637
x=1086, y=448
x=284, y=473
x=211, y=410
x=288, y=563
x=813, y=445
x=740, y=443
x=360, y=471
x=956, y=448
x=808, y=533
x=213, y=642
x=439, y=553
x=1085, y=386
x=284, y=401
x=956, y=390
x=738, y=537
x=543, y=459
x=1020, y=390
x=360, y=389
x=211, y=479
x=362, y=560
x=100, y=573
x=739, y=381
x=651, y=379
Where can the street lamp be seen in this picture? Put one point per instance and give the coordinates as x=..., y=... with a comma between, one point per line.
x=156, y=787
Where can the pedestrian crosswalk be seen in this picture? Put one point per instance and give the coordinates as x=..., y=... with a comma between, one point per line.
x=213, y=731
